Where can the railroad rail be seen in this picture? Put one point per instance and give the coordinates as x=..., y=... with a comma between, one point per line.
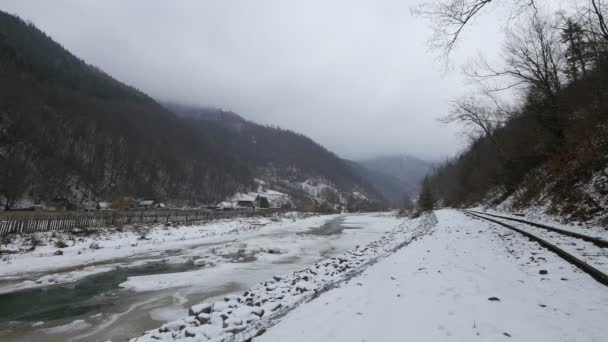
x=594, y=240
x=582, y=265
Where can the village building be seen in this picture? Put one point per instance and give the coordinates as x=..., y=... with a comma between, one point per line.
x=245, y=205
x=148, y=203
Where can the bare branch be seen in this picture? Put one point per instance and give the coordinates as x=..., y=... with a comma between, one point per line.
x=449, y=18
x=470, y=111
x=532, y=57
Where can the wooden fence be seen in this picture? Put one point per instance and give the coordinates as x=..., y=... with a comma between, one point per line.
x=42, y=222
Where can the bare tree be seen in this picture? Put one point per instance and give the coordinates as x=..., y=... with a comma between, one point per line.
x=597, y=9
x=472, y=112
x=532, y=57
x=449, y=18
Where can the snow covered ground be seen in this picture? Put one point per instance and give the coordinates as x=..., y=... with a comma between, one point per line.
x=442, y=277
x=467, y=281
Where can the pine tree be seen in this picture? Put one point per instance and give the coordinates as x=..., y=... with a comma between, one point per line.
x=264, y=202
x=577, y=50
x=426, y=200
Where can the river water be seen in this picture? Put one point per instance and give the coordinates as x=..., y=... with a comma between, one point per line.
x=128, y=300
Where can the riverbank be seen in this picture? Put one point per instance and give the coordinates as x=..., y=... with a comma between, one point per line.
x=48, y=258
x=144, y=290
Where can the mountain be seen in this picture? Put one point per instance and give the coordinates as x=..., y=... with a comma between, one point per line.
x=389, y=186
x=70, y=130
x=395, y=176
x=283, y=159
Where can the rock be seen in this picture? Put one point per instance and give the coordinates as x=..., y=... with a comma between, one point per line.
x=215, y=319
x=260, y=332
x=203, y=318
x=494, y=299
x=543, y=272
x=190, y=332
x=258, y=311
x=172, y=326
x=200, y=308
x=58, y=252
x=220, y=306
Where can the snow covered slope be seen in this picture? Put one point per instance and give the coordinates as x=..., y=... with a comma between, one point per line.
x=466, y=282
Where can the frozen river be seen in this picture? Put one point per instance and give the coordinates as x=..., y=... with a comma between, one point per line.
x=138, y=291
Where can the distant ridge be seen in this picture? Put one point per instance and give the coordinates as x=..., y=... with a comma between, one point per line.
x=397, y=176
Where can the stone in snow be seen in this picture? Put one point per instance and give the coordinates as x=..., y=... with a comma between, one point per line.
x=199, y=308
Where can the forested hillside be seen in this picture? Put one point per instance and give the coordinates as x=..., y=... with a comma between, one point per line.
x=70, y=130
x=550, y=148
x=278, y=156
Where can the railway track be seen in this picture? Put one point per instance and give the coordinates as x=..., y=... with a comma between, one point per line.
x=594, y=240
x=578, y=249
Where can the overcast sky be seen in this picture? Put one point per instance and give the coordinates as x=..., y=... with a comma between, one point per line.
x=356, y=76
